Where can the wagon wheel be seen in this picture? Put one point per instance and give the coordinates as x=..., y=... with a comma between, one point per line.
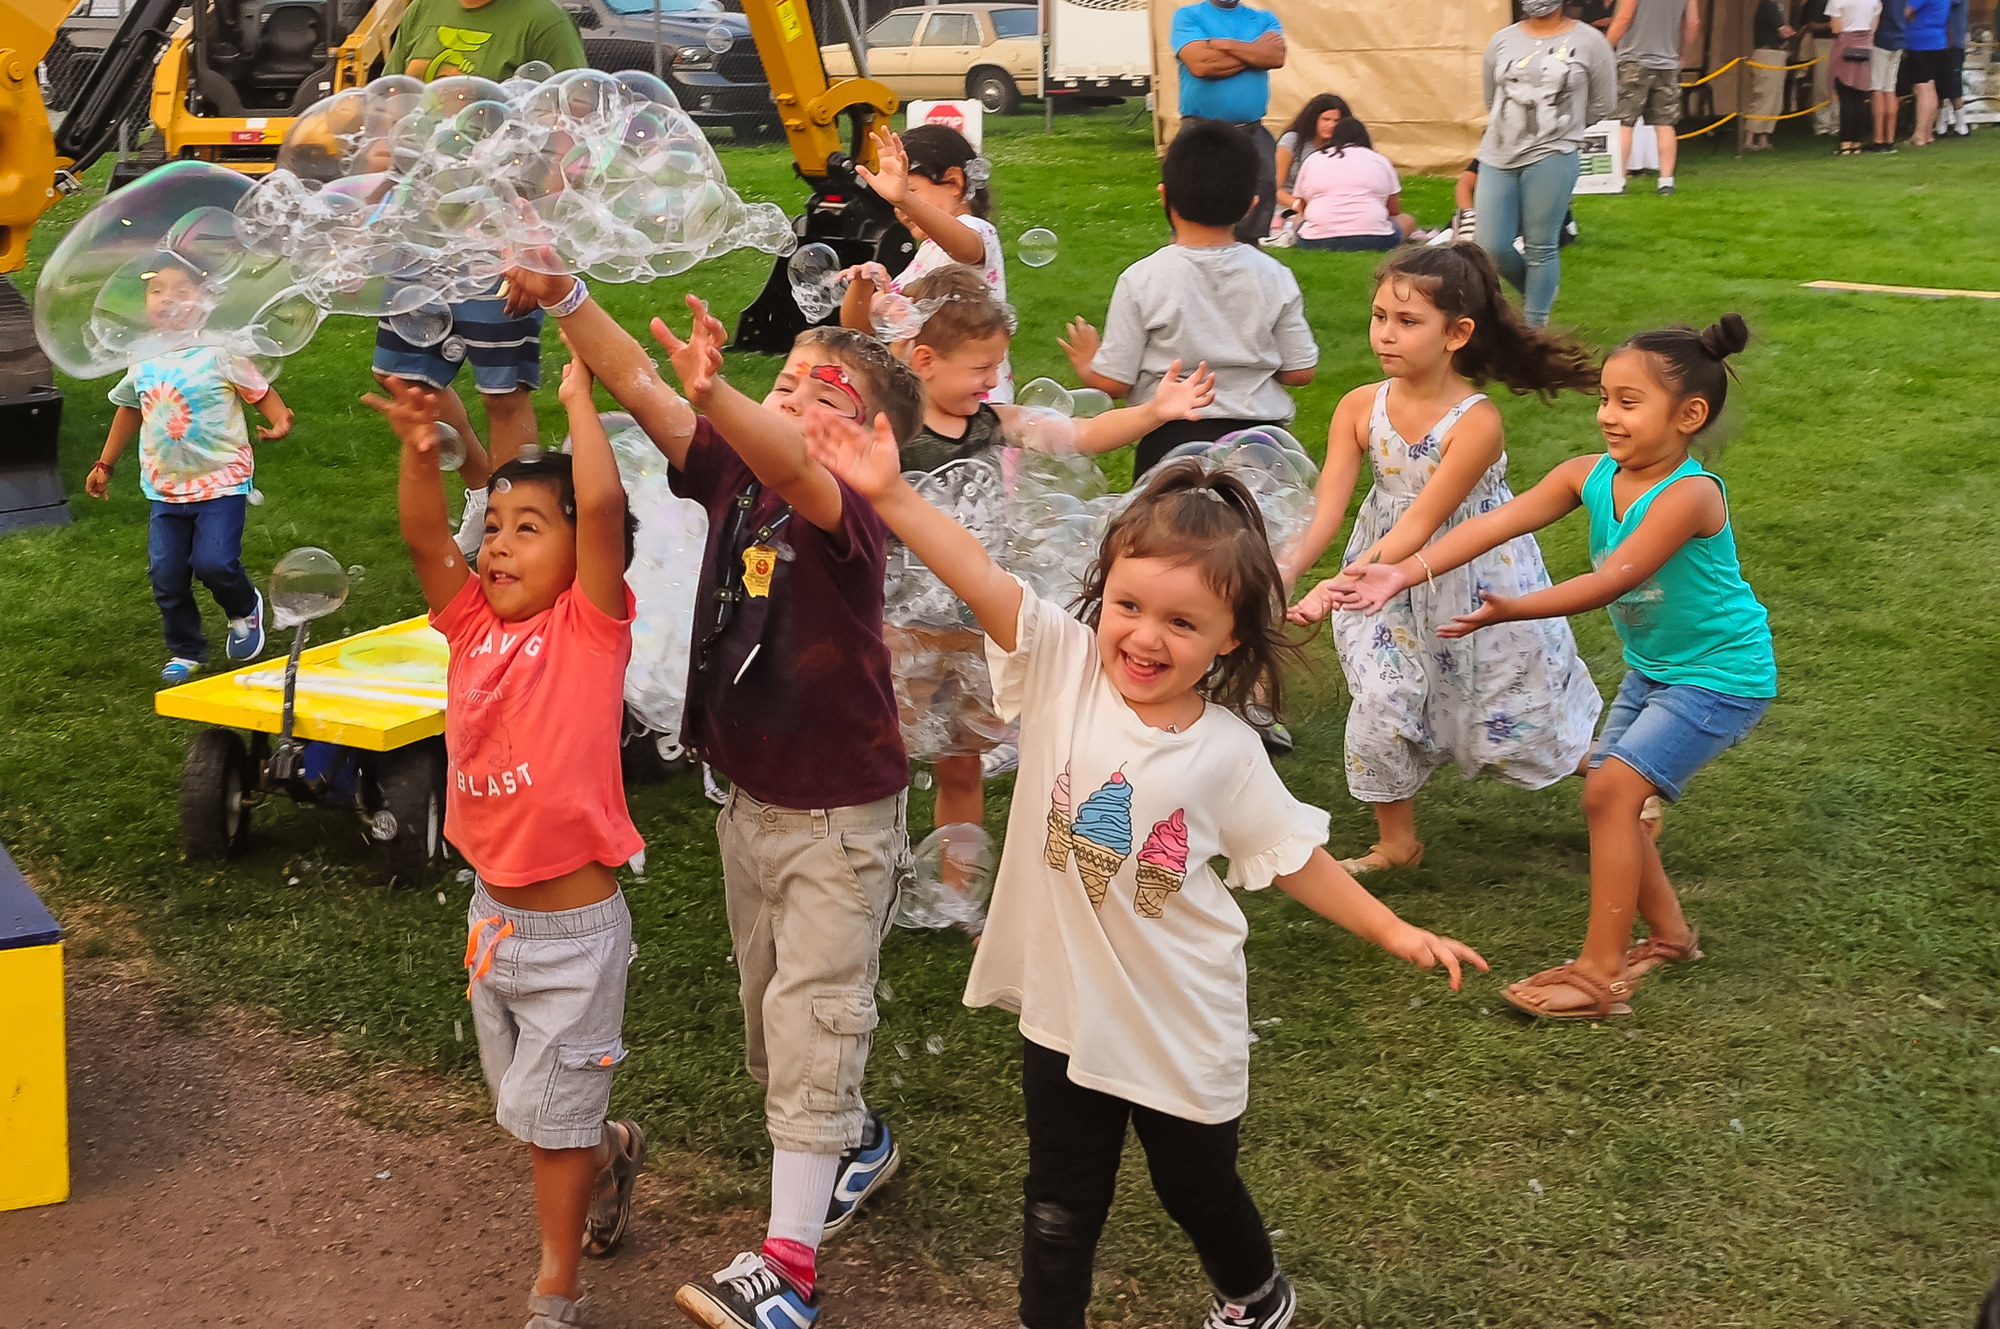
x=215, y=819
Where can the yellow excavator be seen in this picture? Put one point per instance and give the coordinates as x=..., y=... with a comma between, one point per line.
x=225, y=83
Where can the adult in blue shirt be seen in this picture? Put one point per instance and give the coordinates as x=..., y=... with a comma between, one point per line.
x=1226, y=51
x=1923, y=62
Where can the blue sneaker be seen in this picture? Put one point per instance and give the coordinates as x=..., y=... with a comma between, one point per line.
x=749, y=1294
x=246, y=635
x=179, y=670
x=863, y=1171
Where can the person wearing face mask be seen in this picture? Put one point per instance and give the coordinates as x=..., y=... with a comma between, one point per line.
x=1226, y=51
x=1547, y=79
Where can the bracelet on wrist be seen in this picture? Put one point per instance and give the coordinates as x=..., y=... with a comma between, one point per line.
x=1428, y=575
x=570, y=303
x=101, y=465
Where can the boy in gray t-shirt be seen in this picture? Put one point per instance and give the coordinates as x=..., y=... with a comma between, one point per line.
x=1205, y=298
x=1649, y=36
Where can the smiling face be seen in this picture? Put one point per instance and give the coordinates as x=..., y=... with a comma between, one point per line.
x=1644, y=421
x=955, y=382
x=173, y=299
x=1409, y=334
x=1160, y=628
x=813, y=389
x=947, y=197
x=528, y=558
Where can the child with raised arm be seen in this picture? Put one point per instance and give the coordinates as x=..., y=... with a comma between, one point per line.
x=1700, y=671
x=1110, y=936
x=195, y=466
x=1205, y=298
x=539, y=642
x=1516, y=704
x=789, y=696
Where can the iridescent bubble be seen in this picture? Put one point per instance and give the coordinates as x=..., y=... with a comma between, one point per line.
x=814, y=272
x=426, y=325
x=1088, y=403
x=719, y=39
x=537, y=71
x=951, y=880
x=307, y=584
x=450, y=447
x=1036, y=247
x=1047, y=394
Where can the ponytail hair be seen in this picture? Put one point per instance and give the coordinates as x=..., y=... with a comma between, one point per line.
x=1460, y=281
x=1348, y=132
x=1695, y=364
x=935, y=149
x=1195, y=515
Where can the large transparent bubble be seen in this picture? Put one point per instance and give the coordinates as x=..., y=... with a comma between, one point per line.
x=306, y=584
x=157, y=268
x=951, y=880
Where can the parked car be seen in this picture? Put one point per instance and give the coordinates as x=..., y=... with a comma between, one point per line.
x=986, y=53
x=715, y=87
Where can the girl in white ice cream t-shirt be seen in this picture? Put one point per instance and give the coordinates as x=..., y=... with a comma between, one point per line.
x=1119, y=947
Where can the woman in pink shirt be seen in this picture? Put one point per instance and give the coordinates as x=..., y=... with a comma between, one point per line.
x=1352, y=197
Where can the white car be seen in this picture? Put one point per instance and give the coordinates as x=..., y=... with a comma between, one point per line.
x=986, y=53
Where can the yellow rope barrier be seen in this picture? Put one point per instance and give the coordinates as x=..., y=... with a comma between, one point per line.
x=1717, y=74
x=1706, y=128
x=1806, y=65
x=1791, y=116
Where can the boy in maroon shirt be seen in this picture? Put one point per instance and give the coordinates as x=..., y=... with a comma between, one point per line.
x=789, y=696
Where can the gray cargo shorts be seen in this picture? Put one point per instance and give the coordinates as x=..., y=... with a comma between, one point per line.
x=548, y=1002
x=811, y=894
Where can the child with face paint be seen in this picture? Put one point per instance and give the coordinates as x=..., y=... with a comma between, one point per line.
x=789, y=696
x=938, y=185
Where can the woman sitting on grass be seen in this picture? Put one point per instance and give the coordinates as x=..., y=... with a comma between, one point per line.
x=1351, y=195
x=1699, y=667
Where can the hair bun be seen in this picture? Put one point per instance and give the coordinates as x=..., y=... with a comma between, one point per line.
x=1726, y=336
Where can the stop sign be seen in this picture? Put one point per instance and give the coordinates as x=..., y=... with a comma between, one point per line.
x=944, y=113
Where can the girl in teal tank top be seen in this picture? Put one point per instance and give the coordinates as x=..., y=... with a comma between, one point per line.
x=1699, y=667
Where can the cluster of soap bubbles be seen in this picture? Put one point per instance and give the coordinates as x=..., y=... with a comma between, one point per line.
x=665, y=571
x=157, y=268
x=814, y=273
x=306, y=584
x=950, y=880
x=400, y=198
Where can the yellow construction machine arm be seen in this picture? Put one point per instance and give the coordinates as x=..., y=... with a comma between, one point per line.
x=368, y=43
x=27, y=145
x=808, y=108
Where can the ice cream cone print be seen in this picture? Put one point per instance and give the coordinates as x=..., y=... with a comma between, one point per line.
x=1101, y=836
x=1056, y=852
x=1162, y=865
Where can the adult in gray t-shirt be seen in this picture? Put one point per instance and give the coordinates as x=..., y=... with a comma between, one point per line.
x=1649, y=36
x=1547, y=79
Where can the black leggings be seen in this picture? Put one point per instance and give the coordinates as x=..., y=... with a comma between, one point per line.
x=1172, y=434
x=1075, y=1136
x=1857, y=116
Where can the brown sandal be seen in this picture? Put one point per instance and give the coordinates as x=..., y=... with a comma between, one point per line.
x=1608, y=998
x=1377, y=861
x=1651, y=953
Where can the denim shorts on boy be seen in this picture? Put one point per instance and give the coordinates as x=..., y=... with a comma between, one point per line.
x=1654, y=94
x=548, y=1013
x=1668, y=731
x=505, y=353
x=817, y=887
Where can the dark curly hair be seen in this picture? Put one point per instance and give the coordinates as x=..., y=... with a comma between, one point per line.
x=1194, y=515
x=1461, y=281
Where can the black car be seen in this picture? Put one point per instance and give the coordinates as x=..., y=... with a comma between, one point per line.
x=716, y=87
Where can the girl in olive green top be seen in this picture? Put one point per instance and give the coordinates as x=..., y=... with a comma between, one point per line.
x=1699, y=668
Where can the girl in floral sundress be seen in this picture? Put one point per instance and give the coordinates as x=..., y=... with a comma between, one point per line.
x=1517, y=703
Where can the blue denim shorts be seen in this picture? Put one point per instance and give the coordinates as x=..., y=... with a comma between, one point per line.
x=505, y=353
x=1668, y=731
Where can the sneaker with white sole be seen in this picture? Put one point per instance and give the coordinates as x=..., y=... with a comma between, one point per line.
x=749, y=1294
x=246, y=635
x=472, y=526
x=1000, y=760
x=863, y=1171
x=180, y=669
x=1273, y=1310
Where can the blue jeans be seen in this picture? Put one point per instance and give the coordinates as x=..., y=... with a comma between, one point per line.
x=1527, y=202
x=203, y=540
x=1668, y=731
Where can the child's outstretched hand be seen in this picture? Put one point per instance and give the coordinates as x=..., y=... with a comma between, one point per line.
x=698, y=360
x=1180, y=398
x=528, y=291
x=1365, y=588
x=577, y=382
x=891, y=180
x=865, y=457
x=278, y=422
x=1496, y=609
x=871, y=272
x=1427, y=950
x=411, y=410
x=1321, y=600
x=1081, y=344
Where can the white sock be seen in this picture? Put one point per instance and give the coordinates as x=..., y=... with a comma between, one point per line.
x=801, y=1189
x=1666, y=182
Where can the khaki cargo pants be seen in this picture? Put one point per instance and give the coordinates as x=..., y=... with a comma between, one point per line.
x=811, y=894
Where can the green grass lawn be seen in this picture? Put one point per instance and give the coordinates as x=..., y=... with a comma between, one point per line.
x=1800, y=1131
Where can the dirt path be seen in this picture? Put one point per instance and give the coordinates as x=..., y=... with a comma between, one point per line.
x=209, y=1189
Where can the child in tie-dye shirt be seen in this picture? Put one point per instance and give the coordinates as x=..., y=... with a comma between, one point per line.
x=195, y=466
